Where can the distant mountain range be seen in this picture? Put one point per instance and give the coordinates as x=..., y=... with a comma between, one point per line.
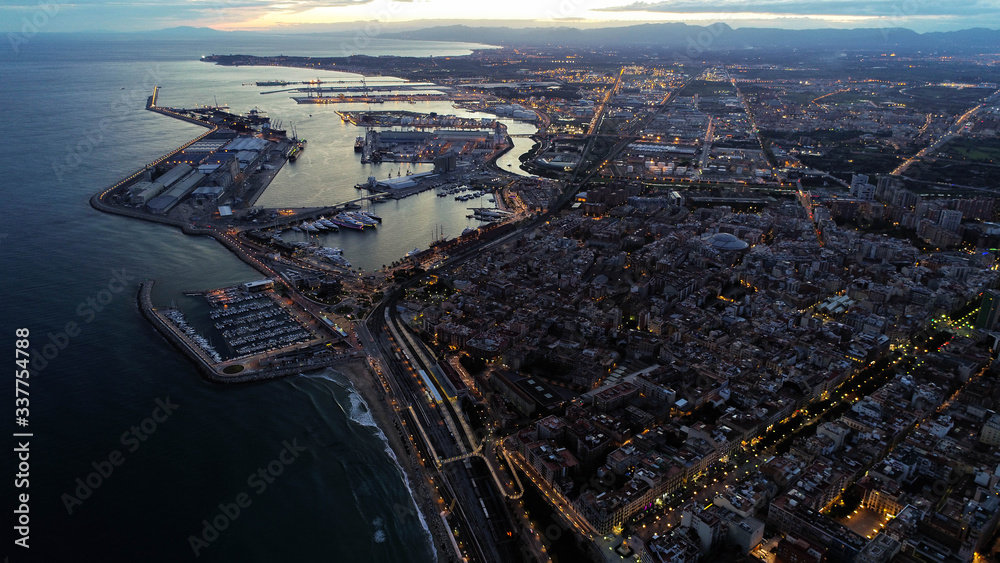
x=680, y=37
x=716, y=37
x=189, y=31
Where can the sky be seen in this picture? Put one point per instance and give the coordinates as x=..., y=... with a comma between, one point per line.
x=320, y=15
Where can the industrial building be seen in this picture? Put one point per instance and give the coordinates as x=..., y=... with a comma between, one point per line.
x=141, y=192
x=210, y=194
x=174, y=174
x=245, y=143
x=446, y=163
x=205, y=170
x=402, y=182
x=163, y=203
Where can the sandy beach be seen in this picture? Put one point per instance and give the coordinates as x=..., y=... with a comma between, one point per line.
x=375, y=397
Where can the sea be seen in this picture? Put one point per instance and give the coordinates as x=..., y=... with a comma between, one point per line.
x=126, y=454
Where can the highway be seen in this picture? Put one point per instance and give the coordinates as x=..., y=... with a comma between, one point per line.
x=554, y=497
x=629, y=137
x=595, y=124
x=816, y=100
x=955, y=130
x=706, y=148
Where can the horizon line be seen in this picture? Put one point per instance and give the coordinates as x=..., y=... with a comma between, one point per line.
x=303, y=28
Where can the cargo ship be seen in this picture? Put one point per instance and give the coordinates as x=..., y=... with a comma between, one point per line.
x=359, y=144
x=296, y=150
x=272, y=83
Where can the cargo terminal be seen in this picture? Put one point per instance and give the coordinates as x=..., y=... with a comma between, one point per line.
x=213, y=170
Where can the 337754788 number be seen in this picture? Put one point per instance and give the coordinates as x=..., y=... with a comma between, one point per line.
x=21, y=358
x=21, y=354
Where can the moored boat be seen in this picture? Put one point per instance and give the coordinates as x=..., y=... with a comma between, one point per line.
x=343, y=220
x=360, y=217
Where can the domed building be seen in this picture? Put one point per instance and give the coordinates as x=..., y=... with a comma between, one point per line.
x=724, y=248
x=726, y=241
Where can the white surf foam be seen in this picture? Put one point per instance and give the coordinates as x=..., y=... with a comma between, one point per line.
x=360, y=414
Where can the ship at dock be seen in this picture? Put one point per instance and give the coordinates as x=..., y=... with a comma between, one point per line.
x=359, y=144
x=298, y=145
x=345, y=220
x=296, y=150
x=363, y=218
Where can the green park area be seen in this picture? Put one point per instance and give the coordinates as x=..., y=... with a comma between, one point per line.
x=976, y=150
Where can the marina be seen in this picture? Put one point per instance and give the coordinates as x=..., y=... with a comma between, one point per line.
x=108, y=378
x=261, y=335
x=180, y=321
x=397, y=118
x=379, y=99
x=209, y=186
x=252, y=322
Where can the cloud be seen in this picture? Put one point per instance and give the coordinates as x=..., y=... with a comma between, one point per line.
x=293, y=5
x=873, y=8
x=143, y=15
x=136, y=15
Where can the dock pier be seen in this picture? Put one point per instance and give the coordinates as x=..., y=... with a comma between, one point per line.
x=226, y=371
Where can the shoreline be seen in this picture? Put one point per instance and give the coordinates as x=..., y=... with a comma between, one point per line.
x=374, y=398
x=348, y=63
x=426, y=506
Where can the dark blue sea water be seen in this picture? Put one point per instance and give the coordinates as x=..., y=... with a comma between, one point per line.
x=72, y=118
